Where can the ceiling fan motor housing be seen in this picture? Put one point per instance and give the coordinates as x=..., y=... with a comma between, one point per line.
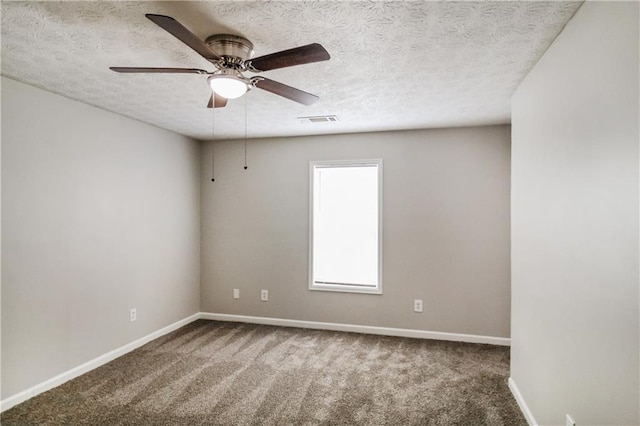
x=232, y=48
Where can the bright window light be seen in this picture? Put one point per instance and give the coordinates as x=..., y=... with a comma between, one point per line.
x=346, y=226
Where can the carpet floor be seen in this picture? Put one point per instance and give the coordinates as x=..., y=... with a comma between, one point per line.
x=221, y=373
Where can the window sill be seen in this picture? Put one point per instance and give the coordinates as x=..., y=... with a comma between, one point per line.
x=346, y=289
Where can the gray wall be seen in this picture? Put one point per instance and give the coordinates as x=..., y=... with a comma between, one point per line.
x=575, y=223
x=446, y=230
x=100, y=214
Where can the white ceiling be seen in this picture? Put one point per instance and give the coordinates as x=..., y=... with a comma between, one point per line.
x=394, y=65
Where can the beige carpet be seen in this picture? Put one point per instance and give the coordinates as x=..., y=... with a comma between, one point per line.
x=216, y=373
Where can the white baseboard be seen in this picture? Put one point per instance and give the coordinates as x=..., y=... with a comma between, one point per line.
x=366, y=329
x=9, y=402
x=528, y=415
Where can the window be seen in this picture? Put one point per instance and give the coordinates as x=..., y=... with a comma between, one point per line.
x=346, y=226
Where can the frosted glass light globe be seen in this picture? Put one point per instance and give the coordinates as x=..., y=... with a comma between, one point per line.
x=228, y=86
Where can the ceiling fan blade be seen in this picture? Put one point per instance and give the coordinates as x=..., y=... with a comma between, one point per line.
x=287, y=58
x=217, y=101
x=159, y=70
x=174, y=27
x=285, y=91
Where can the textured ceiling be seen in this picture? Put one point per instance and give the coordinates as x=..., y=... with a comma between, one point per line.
x=394, y=65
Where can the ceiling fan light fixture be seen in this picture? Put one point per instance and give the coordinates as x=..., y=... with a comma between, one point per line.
x=231, y=54
x=228, y=85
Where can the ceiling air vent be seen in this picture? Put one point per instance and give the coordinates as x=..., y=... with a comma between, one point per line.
x=318, y=119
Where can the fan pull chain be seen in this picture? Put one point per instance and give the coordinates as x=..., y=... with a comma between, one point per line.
x=213, y=138
x=245, y=132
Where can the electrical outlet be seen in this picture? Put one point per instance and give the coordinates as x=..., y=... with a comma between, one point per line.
x=132, y=315
x=417, y=305
x=236, y=293
x=264, y=295
x=570, y=421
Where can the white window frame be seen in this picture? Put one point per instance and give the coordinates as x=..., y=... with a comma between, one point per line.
x=347, y=288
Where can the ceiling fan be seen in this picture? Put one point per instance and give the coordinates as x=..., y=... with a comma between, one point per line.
x=232, y=55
